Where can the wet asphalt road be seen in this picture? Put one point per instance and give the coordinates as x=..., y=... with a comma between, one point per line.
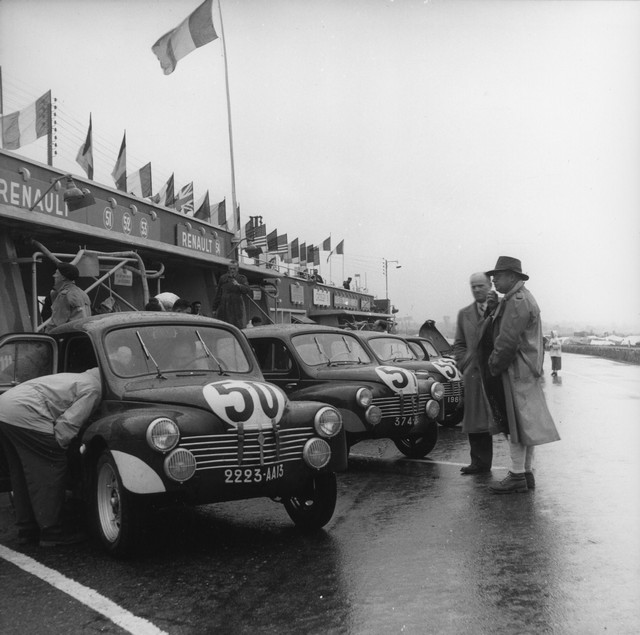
x=414, y=547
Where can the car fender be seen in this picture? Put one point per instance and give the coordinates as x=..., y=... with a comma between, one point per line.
x=137, y=477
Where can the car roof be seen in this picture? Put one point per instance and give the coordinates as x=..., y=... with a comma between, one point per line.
x=368, y=335
x=98, y=323
x=288, y=330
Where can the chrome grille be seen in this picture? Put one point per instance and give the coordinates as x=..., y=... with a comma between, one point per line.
x=453, y=389
x=401, y=405
x=218, y=451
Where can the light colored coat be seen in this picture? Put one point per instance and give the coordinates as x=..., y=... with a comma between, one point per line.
x=517, y=357
x=477, y=412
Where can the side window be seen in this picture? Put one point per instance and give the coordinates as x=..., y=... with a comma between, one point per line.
x=272, y=355
x=21, y=360
x=79, y=355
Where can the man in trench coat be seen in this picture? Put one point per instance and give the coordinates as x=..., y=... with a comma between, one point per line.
x=514, y=365
x=477, y=412
x=228, y=304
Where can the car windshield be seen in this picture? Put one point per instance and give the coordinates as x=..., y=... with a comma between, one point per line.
x=158, y=349
x=328, y=349
x=389, y=349
x=419, y=349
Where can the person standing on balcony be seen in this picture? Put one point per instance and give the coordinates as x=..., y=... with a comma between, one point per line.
x=228, y=305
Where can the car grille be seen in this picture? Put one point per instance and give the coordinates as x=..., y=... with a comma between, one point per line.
x=232, y=449
x=453, y=389
x=401, y=405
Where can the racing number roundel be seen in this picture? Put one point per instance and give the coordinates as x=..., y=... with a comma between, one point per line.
x=398, y=379
x=251, y=403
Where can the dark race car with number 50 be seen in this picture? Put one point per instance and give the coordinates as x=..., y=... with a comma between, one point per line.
x=186, y=417
x=329, y=364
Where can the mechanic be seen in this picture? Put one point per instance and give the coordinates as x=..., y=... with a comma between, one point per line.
x=69, y=301
x=513, y=335
x=477, y=412
x=38, y=420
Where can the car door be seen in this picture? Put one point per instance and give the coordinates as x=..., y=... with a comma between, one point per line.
x=276, y=362
x=23, y=356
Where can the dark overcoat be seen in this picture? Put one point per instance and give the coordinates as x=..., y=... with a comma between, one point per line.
x=228, y=305
x=477, y=412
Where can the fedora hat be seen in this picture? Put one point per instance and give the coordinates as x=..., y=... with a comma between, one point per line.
x=507, y=263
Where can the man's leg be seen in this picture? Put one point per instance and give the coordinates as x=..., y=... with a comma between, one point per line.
x=516, y=481
x=25, y=518
x=481, y=444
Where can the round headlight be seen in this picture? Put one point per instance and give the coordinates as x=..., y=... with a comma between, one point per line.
x=373, y=415
x=364, y=397
x=437, y=390
x=432, y=408
x=163, y=434
x=180, y=465
x=316, y=453
x=327, y=422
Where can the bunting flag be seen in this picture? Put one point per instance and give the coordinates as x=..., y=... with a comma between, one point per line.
x=219, y=215
x=165, y=196
x=340, y=248
x=192, y=33
x=184, y=200
x=272, y=241
x=326, y=244
x=139, y=183
x=303, y=254
x=85, y=153
x=25, y=126
x=295, y=251
x=203, y=211
x=119, y=173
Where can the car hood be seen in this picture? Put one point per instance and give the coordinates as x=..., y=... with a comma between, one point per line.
x=254, y=403
x=442, y=369
x=396, y=378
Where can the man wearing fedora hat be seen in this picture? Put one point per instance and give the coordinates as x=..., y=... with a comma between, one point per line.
x=69, y=301
x=512, y=341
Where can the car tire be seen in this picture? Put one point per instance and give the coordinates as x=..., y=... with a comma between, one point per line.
x=453, y=419
x=313, y=508
x=419, y=446
x=117, y=519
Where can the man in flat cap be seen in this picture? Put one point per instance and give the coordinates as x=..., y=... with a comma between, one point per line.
x=69, y=301
x=512, y=346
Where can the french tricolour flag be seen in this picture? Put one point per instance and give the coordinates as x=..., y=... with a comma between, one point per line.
x=194, y=32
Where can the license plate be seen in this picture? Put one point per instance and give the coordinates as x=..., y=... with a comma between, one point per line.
x=454, y=399
x=405, y=421
x=254, y=475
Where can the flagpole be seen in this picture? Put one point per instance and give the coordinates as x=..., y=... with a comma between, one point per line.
x=226, y=81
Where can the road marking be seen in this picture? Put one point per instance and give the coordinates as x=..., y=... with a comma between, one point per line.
x=428, y=461
x=94, y=600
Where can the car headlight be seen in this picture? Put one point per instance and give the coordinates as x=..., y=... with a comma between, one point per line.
x=327, y=422
x=163, y=434
x=437, y=390
x=364, y=397
x=432, y=408
x=373, y=415
x=316, y=453
x=180, y=465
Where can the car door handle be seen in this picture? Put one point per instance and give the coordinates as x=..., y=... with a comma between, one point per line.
x=290, y=386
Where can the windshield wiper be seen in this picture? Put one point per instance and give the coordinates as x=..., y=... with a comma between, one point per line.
x=148, y=355
x=209, y=353
x=315, y=339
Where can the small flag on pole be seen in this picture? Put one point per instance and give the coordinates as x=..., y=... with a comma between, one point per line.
x=85, y=153
x=326, y=245
x=340, y=248
x=303, y=253
x=272, y=241
x=184, y=200
x=25, y=126
x=192, y=33
x=139, y=183
x=119, y=173
x=204, y=209
x=220, y=218
x=165, y=196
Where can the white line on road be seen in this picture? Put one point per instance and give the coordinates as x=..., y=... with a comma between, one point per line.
x=119, y=616
x=364, y=456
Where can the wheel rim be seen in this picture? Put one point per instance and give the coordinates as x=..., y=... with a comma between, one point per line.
x=108, y=503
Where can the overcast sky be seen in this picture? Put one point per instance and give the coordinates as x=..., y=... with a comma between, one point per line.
x=440, y=134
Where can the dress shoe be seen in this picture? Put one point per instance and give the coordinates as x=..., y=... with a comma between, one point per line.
x=531, y=480
x=512, y=484
x=475, y=469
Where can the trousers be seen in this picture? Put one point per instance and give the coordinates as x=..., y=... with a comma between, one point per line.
x=481, y=448
x=38, y=470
